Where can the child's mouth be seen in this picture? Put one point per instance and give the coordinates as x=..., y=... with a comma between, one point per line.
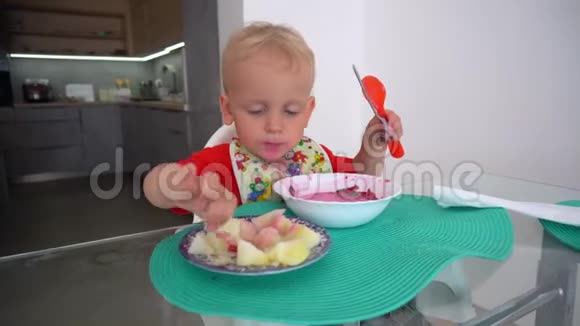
x=272, y=149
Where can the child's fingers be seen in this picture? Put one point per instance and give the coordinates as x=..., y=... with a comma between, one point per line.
x=192, y=182
x=190, y=167
x=374, y=122
x=212, y=203
x=173, y=180
x=395, y=124
x=185, y=178
x=228, y=195
x=392, y=133
x=194, y=205
x=211, y=188
x=374, y=140
x=212, y=226
x=218, y=212
x=376, y=125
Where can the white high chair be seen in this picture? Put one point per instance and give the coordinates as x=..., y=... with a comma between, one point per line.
x=223, y=135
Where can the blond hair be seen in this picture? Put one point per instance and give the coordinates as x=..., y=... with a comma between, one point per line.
x=263, y=35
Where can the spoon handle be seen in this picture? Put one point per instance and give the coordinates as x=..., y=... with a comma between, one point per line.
x=375, y=93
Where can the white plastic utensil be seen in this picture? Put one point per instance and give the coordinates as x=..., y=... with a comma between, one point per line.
x=452, y=197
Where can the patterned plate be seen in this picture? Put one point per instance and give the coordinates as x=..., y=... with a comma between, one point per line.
x=202, y=261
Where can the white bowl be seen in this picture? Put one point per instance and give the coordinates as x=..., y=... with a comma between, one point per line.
x=336, y=214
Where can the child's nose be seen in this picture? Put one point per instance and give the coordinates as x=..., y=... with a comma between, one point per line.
x=273, y=123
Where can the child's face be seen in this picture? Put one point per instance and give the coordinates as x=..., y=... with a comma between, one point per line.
x=269, y=100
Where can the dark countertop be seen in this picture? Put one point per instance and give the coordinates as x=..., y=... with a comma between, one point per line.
x=57, y=104
x=170, y=106
x=161, y=105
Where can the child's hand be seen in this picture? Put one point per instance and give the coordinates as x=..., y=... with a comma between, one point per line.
x=203, y=195
x=375, y=138
x=395, y=129
x=371, y=156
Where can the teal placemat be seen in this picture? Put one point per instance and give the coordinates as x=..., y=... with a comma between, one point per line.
x=567, y=234
x=370, y=270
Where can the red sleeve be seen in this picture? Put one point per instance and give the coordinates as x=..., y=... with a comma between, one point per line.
x=213, y=159
x=339, y=163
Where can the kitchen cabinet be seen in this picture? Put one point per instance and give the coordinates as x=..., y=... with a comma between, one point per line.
x=140, y=13
x=44, y=134
x=28, y=161
x=173, y=134
x=59, y=140
x=138, y=137
x=66, y=28
x=154, y=136
x=42, y=129
x=155, y=24
x=76, y=139
x=41, y=115
x=165, y=27
x=6, y=118
x=111, y=27
x=4, y=41
x=101, y=136
x=4, y=192
x=43, y=141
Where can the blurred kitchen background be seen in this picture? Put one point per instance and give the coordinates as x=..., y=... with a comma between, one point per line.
x=81, y=79
x=488, y=82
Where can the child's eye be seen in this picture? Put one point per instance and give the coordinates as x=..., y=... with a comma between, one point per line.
x=256, y=110
x=292, y=110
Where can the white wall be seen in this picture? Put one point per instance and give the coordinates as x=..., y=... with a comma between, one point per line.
x=230, y=18
x=495, y=82
x=487, y=81
x=333, y=29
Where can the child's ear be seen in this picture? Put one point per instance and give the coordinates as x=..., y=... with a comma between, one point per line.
x=310, y=105
x=225, y=108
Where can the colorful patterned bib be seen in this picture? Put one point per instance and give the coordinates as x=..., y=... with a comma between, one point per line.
x=255, y=177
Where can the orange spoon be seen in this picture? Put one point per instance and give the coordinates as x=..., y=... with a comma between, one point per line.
x=376, y=94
